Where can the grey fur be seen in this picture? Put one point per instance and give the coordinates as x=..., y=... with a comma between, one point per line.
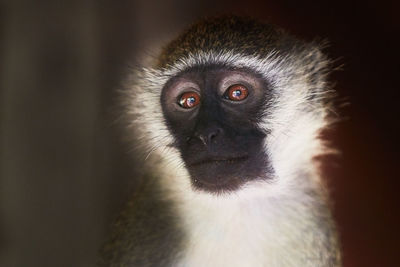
x=147, y=232
x=154, y=229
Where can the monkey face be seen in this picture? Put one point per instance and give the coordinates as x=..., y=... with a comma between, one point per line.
x=213, y=113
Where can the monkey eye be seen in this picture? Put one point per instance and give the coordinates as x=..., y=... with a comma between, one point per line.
x=189, y=100
x=236, y=92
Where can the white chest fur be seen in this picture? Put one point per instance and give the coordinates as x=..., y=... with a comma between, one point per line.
x=247, y=231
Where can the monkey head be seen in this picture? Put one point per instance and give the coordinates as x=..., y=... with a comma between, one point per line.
x=235, y=101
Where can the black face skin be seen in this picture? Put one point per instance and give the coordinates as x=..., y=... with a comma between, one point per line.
x=217, y=137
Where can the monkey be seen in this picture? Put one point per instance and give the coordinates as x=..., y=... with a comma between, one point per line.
x=230, y=114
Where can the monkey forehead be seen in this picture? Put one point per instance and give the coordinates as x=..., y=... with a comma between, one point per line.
x=242, y=35
x=241, y=42
x=217, y=76
x=272, y=68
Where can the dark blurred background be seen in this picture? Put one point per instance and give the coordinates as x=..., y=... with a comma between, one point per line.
x=64, y=171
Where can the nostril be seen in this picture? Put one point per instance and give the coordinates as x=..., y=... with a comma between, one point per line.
x=214, y=134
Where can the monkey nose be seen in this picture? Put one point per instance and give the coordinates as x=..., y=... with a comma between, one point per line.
x=209, y=136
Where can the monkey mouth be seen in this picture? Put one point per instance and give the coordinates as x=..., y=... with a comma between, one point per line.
x=220, y=160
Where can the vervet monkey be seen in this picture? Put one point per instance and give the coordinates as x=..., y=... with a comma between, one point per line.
x=230, y=114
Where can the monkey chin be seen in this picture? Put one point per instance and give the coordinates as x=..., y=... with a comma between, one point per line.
x=219, y=187
x=222, y=176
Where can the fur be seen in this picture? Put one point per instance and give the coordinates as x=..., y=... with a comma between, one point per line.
x=285, y=221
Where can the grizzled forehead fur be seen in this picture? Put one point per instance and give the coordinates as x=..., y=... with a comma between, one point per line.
x=295, y=70
x=239, y=35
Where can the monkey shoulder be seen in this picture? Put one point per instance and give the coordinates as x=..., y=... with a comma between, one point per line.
x=145, y=234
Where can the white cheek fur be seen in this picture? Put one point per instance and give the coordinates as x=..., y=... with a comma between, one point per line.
x=248, y=227
x=292, y=124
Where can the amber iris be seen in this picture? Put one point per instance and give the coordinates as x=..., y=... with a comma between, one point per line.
x=189, y=100
x=236, y=92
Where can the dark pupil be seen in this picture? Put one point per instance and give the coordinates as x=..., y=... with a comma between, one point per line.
x=237, y=93
x=191, y=100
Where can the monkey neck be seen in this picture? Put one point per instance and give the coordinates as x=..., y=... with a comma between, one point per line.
x=257, y=225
